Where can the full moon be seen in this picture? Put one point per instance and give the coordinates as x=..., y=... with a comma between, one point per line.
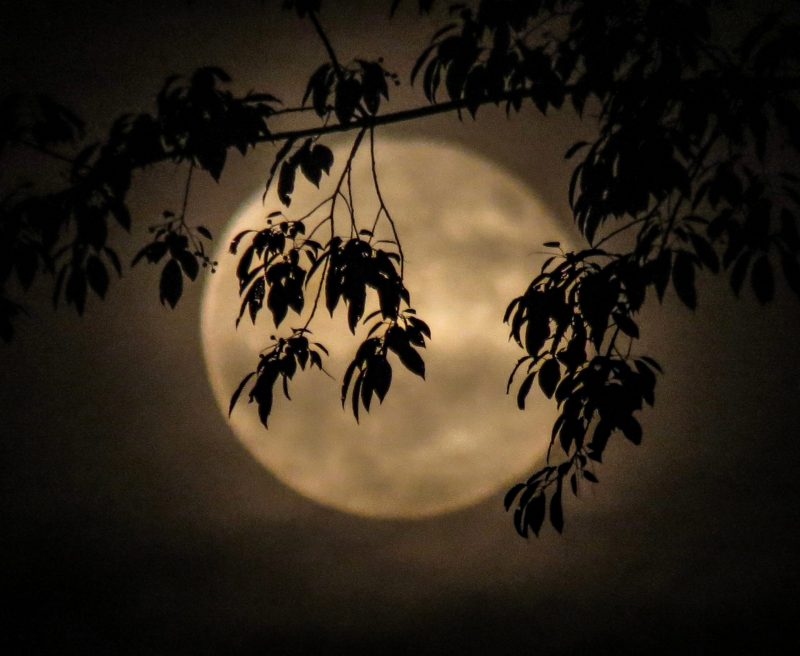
x=472, y=237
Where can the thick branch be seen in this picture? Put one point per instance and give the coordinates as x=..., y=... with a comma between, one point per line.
x=781, y=84
x=386, y=119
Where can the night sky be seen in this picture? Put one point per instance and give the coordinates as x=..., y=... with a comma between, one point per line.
x=135, y=523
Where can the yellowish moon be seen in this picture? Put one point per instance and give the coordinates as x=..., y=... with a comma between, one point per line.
x=470, y=232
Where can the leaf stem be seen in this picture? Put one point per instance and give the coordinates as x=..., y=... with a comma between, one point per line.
x=383, y=203
x=337, y=67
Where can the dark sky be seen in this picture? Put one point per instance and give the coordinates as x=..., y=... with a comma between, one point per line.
x=134, y=523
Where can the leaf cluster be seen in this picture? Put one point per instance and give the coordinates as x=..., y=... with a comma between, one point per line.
x=279, y=362
x=349, y=91
x=311, y=159
x=373, y=372
x=200, y=120
x=685, y=162
x=66, y=232
x=356, y=265
x=346, y=269
x=486, y=56
x=184, y=252
x=271, y=261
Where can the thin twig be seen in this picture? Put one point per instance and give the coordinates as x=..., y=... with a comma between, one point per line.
x=627, y=226
x=337, y=67
x=195, y=244
x=387, y=119
x=186, y=194
x=382, y=203
x=337, y=192
x=318, y=294
x=320, y=224
x=350, y=204
x=312, y=211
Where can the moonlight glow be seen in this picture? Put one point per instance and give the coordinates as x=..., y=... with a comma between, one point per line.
x=470, y=233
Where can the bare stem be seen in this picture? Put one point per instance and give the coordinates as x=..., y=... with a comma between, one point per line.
x=382, y=202
x=186, y=190
x=337, y=192
x=327, y=43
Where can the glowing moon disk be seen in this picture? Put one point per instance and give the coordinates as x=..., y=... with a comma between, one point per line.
x=469, y=231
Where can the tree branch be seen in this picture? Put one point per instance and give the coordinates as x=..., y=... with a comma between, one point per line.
x=326, y=42
x=387, y=119
x=784, y=84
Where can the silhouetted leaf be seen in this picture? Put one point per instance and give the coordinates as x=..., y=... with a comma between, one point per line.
x=213, y=160
x=318, y=88
x=382, y=377
x=512, y=494
x=153, y=252
x=412, y=361
x=366, y=389
x=261, y=392
x=524, y=389
x=322, y=157
x=286, y=182
x=762, y=280
x=348, y=375
x=355, y=308
x=114, y=259
x=357, y=394
x=549, y=375
x=277, y=303
x=534, y=513
x=171, y=284
x=626, y=325
x=283, y=151
x=648, y=382
x=122, y=215
x=662, y=267
x=536, y=333
x=683, y=279
x=705, y=252
x=739, y=272
x=97, y=275
x=237, y=393
x=75, y=291
x=600, y=437
x=188, y=264
x=420, y=325
x=631, y=429
x=374, y=85
x=574, y=148
x=519, y=522
x=27, y=264
x=348, y=94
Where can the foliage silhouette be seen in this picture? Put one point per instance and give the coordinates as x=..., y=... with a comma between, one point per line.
x=692, y=169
